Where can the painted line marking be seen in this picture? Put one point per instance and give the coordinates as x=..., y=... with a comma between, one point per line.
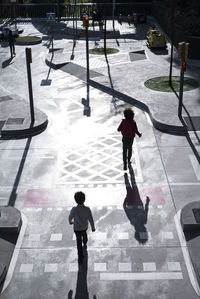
x=15, y=253
x=186, y=255
x=184, y=184
x=148, y=119
x=34, y=237
x=100, y=236
x=26, y=268
x=100, y=267
x=51, y=268
x=167, y=235
x=56, y=237
x=122, y=236
x=195, y=165
x=124, y=267
x=149, y=267
x=174, y=266
x=73, y=267
x=142, y=276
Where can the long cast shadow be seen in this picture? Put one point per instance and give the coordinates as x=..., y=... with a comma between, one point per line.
x=7, y=62
x=193, y=128
x=13, y=195
x=134, y=208
x=81, y=285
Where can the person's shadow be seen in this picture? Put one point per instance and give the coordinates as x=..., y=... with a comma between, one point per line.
x=134, y=208
x=7, y=62
x=81, y=285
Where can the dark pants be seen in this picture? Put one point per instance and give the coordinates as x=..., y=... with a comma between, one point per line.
x=127, y=148
x=12, y=48
x=81, y=236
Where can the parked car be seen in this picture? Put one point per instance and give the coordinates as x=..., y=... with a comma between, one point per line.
x=155, y=39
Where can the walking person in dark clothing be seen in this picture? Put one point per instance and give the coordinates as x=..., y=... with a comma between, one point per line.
x=11, y=41
x=79, y=216
x=128, y=129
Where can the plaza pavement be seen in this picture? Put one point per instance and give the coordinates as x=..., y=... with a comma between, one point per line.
x=119, y=263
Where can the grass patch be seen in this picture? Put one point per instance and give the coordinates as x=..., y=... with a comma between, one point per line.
x=28, y=39
x=100, y=51
x=162, y=84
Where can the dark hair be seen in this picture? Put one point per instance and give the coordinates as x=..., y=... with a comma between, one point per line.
x=79, y=197
x=129, y=114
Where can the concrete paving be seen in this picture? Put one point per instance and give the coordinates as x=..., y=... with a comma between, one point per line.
x=139, y=249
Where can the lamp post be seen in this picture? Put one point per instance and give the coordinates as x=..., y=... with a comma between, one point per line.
x=113, y=14
x=172, y=40
x=183, y=55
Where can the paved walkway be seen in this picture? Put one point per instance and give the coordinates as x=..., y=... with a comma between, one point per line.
x=138, y=249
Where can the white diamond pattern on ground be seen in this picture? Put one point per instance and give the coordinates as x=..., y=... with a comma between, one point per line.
x=103, y=164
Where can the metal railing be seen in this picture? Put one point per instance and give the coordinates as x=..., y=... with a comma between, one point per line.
x=39, y=10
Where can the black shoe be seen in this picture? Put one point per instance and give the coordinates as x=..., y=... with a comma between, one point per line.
x=125, y=166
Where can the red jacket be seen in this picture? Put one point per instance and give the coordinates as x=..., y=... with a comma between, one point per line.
x=128, y=128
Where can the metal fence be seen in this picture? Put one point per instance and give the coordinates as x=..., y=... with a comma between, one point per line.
x=39, y=10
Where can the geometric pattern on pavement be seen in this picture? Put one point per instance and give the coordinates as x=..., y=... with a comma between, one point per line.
x=99, y=162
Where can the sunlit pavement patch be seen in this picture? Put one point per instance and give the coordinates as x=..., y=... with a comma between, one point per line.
x=48, y=198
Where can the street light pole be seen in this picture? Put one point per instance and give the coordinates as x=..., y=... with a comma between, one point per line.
x=87, y=52
x=172, y=41
x=113, y=15
x=28, y=61
x=183, y=55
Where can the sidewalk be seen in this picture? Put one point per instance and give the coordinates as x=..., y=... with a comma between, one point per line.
x=122, y=76
x=117, y=80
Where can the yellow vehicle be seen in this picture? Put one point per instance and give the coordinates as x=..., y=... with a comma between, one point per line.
x=155, y=39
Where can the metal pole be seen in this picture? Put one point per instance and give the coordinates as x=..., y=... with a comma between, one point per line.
x=172, y=41
x=28, y=61
x=181, y=84
x=52, y=37
x=87, y=55
x=113, y=15
x=105, y=30
x=58, y=6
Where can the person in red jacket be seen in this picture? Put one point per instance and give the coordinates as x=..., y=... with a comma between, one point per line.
x=128, y=129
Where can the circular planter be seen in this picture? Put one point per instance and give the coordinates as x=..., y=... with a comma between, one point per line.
x=162, y=84
x=28, y=40
x=100, y=51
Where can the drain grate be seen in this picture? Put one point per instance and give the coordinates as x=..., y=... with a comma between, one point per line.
x=5, y=99
x=195, y=122
x=137, y=55
x=14, y=121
